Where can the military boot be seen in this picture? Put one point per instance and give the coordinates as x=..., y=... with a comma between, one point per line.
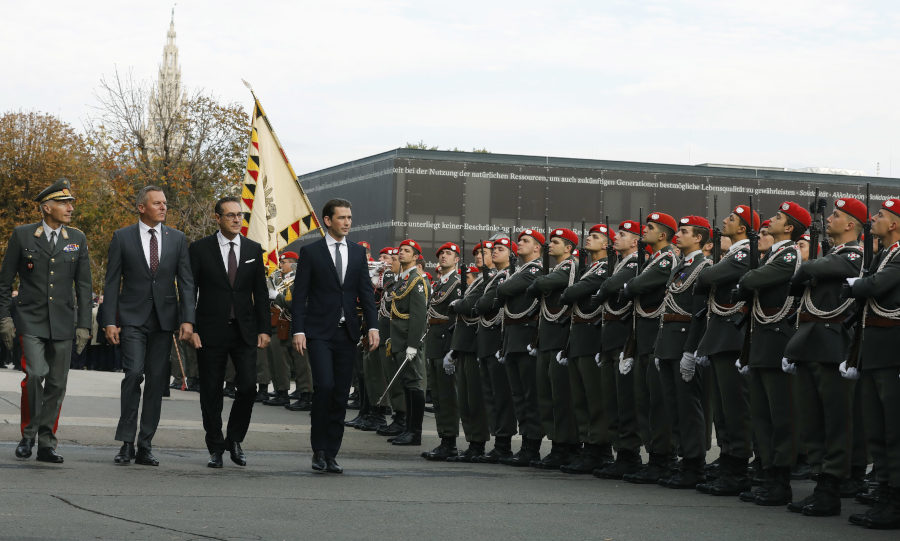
x=855, y=484
x=689, y=475
x=413, y=434
x=627, y=461
x=826, y=500
x=475, y=450
x=502, y=449
x=589, y=459
x=883, y=516
x=374, y=421
x=732, y=479
x=442, y=452
x=396, y=427
x=777, y=488
x=655, y=469
x=878, y=494
x=560, y=453
x=529, y=451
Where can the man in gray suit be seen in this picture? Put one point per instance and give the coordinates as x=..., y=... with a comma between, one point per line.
x=148, y=277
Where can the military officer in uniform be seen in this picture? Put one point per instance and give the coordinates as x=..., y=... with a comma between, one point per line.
x=767, y=290
x=409, y=321
x=437, y=344
x=821, y=343
x=879, y=364
x=554, y=394
x=720, y=346
x=679, y=333
x=585, y=373
x=520, y=320
x=52, y=263
x=395, y=393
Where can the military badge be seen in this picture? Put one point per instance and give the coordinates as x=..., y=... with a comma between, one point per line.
x=740, y=255
x=664, y=263
x=70, y=248
x=533, y=270
x=853, y=256
x=789, y=257
x=29, y=265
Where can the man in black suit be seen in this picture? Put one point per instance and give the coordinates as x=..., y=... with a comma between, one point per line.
x=332, y=280
x=148, y=281
x=232, y=320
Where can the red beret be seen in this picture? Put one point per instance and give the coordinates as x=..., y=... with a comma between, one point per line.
x=364, y=244
x=742, y=212
x=288, y=255
x=675, y=238
x=603, y=230
x=389, y=250
x=892, y=205
x=472, y=269
x=663, y=219
x=487, y=246
x=765, y=224
x=508, y=243
x=428, y=274
x=630, y=226
x=696, y=221
x=566, y=234
x=452, y=246
x=805, y=237
x=798, y=213
x=575, y=252
x=536, y=235
x=412, y=244
x=853, y=207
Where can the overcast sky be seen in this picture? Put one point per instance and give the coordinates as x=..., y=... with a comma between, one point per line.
x=790, y=83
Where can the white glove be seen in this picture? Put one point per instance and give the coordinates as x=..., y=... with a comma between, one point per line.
x=449, y=364
x=702, y=360
x=688, y=366
x=851, y=281
x=787, y=366
x=625, y=364
x=272, y=294
x=848, y=372
x=598, y=360
x=656, y=362
x=563, y=361
x=454, y=303
x=500, y=358
x=7, y=332
x=411, y=353
x=744, y=370
x=531, y=351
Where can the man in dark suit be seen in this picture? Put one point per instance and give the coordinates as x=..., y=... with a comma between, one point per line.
x=232, y=320
x=332, y=280
x=148, y=278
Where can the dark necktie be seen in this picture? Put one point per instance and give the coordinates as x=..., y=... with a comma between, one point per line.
x=154, y=252
x=232, y=270
x=52, y=240
x=339, y=263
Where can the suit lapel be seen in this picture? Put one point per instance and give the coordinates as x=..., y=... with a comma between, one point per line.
x=215, y=252
x=136, y=232
x=330, y=260
x=40, y=238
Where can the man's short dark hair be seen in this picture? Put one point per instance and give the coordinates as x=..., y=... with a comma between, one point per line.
x=222, y=201
x=702, y=232
x=798, y=230
x=328, y=209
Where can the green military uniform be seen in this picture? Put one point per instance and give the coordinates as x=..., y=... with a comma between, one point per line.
x=554, y=393
x=386, y=363
x=487, y=344
x=879, y=383
x=585, y=373
x=721, y=345
x=472, y=411
x=520, y=323
x=409, y=321
x=648, y=289
x=54, y=298
x=442, y=385
x=618, y=389
x=826, y=400
x=771, y=390
x=679, y=334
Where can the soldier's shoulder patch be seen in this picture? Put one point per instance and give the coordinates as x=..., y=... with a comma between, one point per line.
x=740, y=255
x=533, y=270
x=420, y=288
x=631, y=265
x=789, y=257
x=853, y=256
x=664, y=263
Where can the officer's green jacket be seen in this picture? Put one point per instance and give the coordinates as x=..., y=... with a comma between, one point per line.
x=649, y=290
x=384, y=305
x=51, y=282
x=409, y=312
x=617, y=328
x=437, y=340
x=584, y=338
x=825, y=342
x=553, y=335
x=519, y=333
x=771, y=283
x=676, y=337
x=488, y=307
x=882, y=285
x=463, y=340
x=724, y=333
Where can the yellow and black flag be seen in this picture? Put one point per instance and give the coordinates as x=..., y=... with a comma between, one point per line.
x=276, y=210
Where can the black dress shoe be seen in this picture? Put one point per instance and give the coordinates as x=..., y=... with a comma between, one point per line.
x=318, y=461
x=23, y=450
x=228, y=391
x=126, y=454
x=303, y=403
x=280, y=399
x=48, y=454
x=236, y=453
x=215, y=460
x=145, y=458
x=331, y=466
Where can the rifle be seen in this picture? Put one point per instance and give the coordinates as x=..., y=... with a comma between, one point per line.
x=464, y=271
x=753, y=237
x=545, y=257
x=630, y=349
x=856, y=324
x=611, y=258
x=716, y=232
x=582, y=254
x=817, y=229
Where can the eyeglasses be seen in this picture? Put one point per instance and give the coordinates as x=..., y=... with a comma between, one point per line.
x=231, y=215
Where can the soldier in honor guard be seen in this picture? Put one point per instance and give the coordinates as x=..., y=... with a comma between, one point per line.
x=396, y=395
x=682, y=380
x=720, y=346
x=585, y=373
x=554, y=393
x=617, y=319
x=825, y=399
x=767, y=290
x=409, y=321
x=520, y=321
x=490, y=340
x=648, y=289
x=437, y=344
x=52, y=263
x=462, y=360
x=879, y=365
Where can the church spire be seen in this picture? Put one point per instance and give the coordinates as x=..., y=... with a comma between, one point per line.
x=166, y=98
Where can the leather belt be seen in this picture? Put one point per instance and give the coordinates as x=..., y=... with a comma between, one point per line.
x=522, y=321
x=676, y=317
x=878, y=321
x=611, y=317
x=576, y=319
x=437, y=321
x=809, y=318
x=772, y=311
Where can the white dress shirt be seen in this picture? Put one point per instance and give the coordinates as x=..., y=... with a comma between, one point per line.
x=145, y=240
x=48, y=231
x=225, y=248
x=345, y=253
